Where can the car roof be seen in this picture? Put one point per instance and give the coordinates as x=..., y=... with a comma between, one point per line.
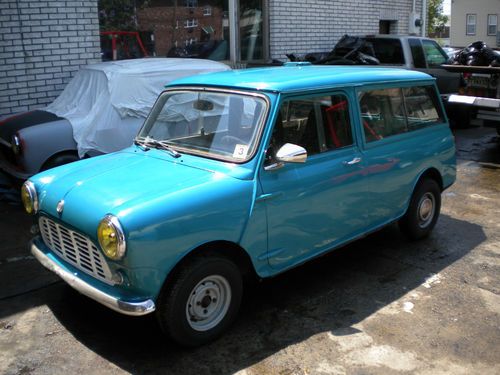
x=150, y=65
x=300, y=77
x=393, y=36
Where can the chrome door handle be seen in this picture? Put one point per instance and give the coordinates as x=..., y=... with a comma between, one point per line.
x=352, y=162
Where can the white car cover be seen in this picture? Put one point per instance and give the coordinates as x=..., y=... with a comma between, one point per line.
x=106, y=103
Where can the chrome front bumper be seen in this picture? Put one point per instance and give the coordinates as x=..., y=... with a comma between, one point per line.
x=124, y=307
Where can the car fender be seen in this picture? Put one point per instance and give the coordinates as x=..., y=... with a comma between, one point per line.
x=41, y=142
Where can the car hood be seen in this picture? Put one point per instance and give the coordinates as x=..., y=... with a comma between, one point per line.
x=116, y=183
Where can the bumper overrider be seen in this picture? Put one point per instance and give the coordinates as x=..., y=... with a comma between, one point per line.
x=134, y=308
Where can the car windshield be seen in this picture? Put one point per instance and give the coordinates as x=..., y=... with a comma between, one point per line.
x=215, y=124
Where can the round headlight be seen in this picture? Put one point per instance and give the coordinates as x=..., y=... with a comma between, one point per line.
x=15, y=144
x=111, y=237
x=29, y=197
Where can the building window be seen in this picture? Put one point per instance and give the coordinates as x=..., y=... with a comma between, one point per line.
x=471, y=24
x=492, y=24
x=191, y=3
x=190, y=23
x=207, y=11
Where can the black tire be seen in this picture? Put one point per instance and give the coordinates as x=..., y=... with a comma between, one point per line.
x=60, y=160
x=173, y=305
x=418, y=222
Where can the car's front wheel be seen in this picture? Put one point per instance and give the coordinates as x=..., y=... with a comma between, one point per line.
x=423, y=212
x=201, y=301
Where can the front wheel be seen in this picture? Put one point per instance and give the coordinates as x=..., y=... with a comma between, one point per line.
x=202, y=300
x=423, y=211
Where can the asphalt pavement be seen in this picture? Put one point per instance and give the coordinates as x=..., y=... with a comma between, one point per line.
x=382, y=305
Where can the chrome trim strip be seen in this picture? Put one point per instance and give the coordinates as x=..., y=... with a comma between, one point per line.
x=124, y=307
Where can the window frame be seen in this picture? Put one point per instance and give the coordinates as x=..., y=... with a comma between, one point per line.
x=467, y=23
x=495, y=25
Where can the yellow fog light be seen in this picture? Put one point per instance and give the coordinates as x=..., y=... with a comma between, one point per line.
x=111, y=237
x=29, y=197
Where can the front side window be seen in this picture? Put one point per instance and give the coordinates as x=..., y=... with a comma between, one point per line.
x=492, y=24
x=471, y=24
x=434, y=55
x=318, y=124
x=392, y=111
x=219, y=125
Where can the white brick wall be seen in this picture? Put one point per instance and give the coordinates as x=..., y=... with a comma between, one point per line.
x=302, y=26
x=42, y=44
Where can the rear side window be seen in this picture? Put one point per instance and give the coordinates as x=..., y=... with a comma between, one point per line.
x=422, y=107
x=318, y=124
x=392, y=111
x=417, y=53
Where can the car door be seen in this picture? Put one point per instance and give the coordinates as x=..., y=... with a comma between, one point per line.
x=428, y=57
x=313, y=206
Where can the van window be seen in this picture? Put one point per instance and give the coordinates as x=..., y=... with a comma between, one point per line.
x=422, y=107
x=318, y=124
x=382, y=113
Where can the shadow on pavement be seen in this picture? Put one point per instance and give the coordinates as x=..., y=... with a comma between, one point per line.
x=330, y=294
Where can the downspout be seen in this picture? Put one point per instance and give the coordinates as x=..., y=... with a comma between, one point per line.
x=424, y=18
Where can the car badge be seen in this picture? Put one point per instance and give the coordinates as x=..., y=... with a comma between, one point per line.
x=60, y=206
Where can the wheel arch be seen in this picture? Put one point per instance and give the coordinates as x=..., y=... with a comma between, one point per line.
x=433, y=174
x=59, y=154
x=227, y=249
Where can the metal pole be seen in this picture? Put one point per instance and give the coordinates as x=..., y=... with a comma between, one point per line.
x=423, y=31
x=233, y=32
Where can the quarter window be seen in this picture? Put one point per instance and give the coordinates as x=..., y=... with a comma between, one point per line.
x=422, y=107
x=471, y=24
x=317, y=124
x=492, y=24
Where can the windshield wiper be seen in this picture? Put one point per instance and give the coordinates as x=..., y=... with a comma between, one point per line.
x=151, y=142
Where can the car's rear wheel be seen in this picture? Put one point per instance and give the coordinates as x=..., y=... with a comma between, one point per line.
x=202, y=300
x=423, y=211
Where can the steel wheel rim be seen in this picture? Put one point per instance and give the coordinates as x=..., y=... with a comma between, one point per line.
x=426, y=209
x=208, y=303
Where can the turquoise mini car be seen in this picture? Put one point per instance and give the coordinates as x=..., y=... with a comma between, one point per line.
x=239, y=174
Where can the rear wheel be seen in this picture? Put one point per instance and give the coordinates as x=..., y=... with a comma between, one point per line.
x=202, y=301
x=423, y=212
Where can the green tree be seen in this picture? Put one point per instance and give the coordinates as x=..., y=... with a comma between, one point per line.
x=436, y=20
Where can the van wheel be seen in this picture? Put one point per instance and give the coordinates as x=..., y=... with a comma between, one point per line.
x=423, y=212
x=202, y=301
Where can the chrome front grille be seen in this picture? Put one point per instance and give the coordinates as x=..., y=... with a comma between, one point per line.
x=76, y=249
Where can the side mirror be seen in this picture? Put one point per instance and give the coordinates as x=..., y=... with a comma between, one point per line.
x=288, y=153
